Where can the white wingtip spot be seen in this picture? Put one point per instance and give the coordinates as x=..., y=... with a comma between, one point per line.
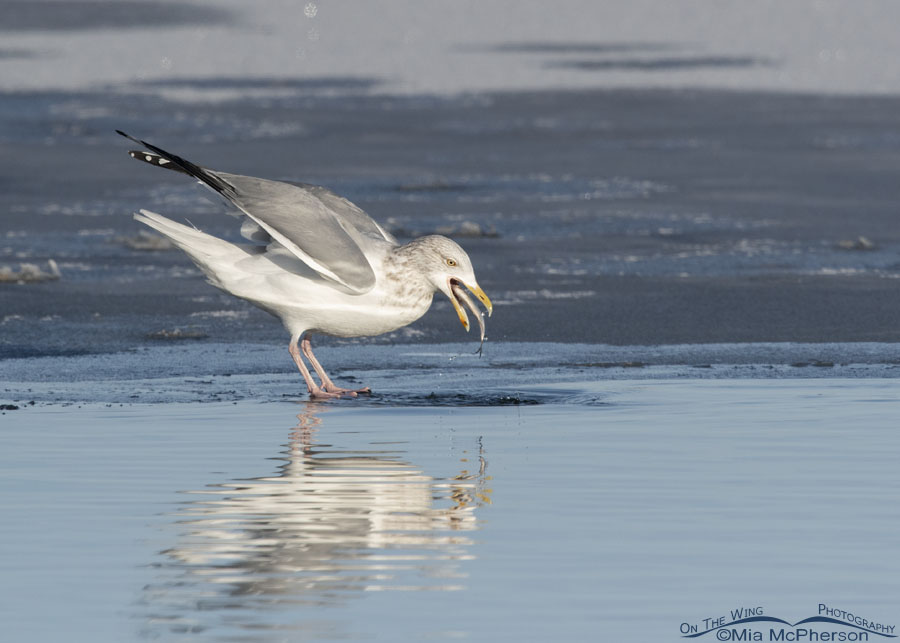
x=164, y=161
x=147, y=157
x=132, y=155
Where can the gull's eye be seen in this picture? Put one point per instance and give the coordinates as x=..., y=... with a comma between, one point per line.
x=451, y=263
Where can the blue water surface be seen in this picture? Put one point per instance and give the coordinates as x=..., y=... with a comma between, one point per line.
x=616, y=510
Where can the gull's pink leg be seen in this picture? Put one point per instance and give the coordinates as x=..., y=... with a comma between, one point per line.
x=315, y=391
x=327, y=384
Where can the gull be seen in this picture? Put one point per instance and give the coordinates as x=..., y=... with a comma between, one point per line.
x=317, y=262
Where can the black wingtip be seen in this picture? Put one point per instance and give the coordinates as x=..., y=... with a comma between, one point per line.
x=129, y=137
x=208, y=177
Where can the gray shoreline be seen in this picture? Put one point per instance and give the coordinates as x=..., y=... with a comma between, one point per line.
x=509, y=373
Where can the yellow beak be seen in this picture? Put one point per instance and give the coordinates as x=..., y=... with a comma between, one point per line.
x=482, y=297
x=478, y=292
x=463, y=317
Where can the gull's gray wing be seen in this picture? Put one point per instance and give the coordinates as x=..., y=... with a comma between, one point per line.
x=349, y=212
x=304, y=224
x=326, y=231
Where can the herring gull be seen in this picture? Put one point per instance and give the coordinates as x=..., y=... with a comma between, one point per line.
x=318, y=262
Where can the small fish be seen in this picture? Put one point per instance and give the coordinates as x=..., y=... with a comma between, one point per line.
x=461, y=294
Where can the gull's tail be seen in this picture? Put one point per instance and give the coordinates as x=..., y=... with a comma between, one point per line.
x=210, y=253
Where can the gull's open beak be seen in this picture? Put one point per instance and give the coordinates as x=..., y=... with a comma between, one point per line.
x=478, y=292
x=483, y=298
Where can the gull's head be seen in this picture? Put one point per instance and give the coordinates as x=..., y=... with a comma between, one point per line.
x=446, y=264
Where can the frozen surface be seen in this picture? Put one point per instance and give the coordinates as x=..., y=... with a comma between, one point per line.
x=613, y=510
x=409, y=46
x=602, y=217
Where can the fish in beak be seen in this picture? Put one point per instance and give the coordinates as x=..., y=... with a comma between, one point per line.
x=461, y=298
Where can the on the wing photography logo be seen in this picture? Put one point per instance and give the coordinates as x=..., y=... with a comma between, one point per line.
x=753, y=624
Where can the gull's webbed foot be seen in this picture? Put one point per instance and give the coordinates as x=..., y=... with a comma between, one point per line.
x=331, y=388
x=321, y=394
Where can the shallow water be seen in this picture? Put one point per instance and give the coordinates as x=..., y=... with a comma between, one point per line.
x=660, y=503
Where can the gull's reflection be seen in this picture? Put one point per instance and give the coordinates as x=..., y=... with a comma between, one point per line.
x=332, y=522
